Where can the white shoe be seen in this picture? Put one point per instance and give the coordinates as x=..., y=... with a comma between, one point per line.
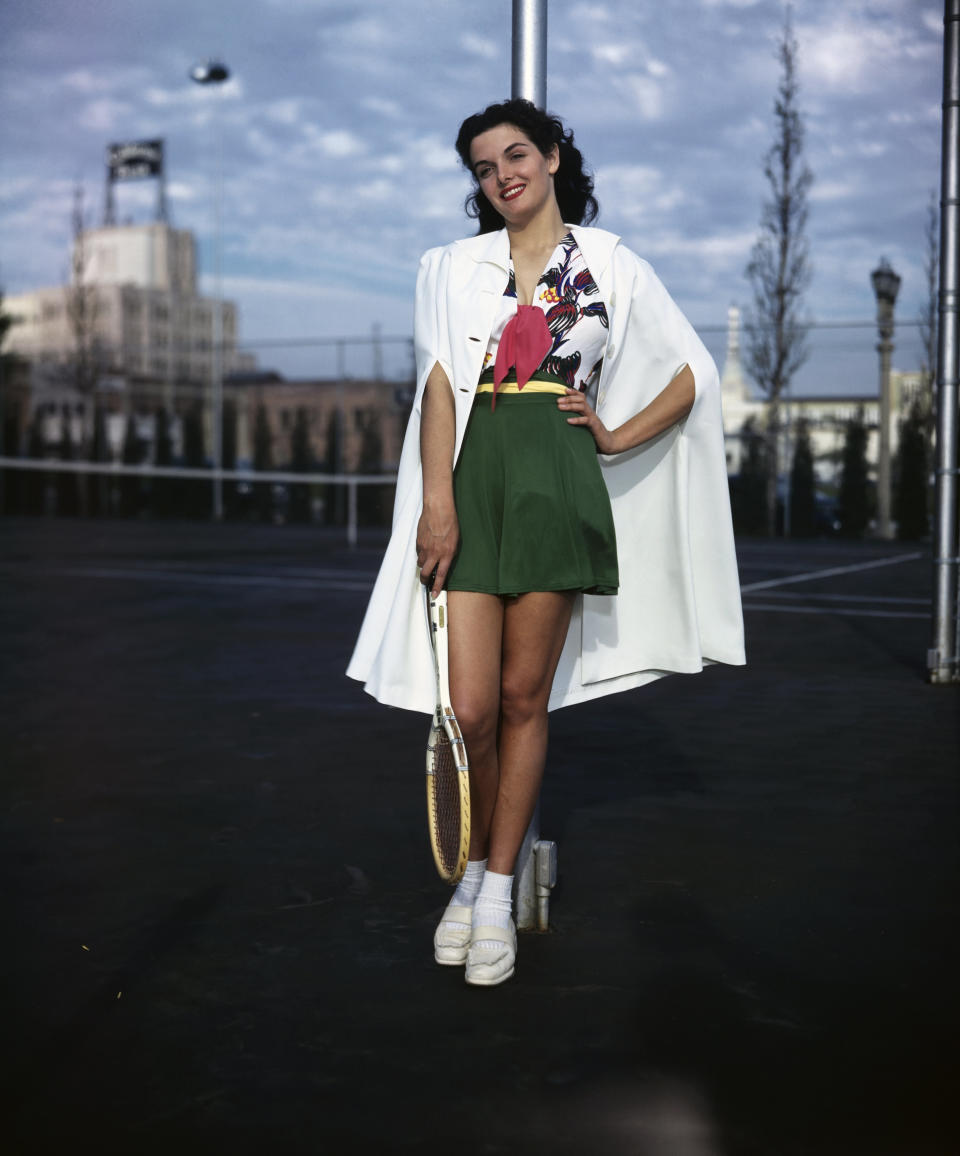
x=450, y=943
x=488, y=966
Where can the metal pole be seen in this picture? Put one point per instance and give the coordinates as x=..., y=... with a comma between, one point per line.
x=218, y=332
x=943, y=658
x=788, y=461
x=529, y=75
x=339, y=432
x=3, y=431
x=215, y=72
x=884, y=348
x=886, y=285
x=529, y=82
x=351, y=513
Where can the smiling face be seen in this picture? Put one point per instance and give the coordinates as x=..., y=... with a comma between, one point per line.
x=513, y=174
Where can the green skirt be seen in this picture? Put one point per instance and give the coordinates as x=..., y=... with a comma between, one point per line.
x=531, y=501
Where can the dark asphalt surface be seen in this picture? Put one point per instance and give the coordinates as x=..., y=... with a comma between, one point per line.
x=218, y=898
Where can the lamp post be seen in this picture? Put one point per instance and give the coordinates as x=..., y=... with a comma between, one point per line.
x=215, y=72
x=886, y=284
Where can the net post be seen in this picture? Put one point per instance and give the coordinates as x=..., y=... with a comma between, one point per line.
x=529, y=81
x=526, y=876
x=351, y=512
x=943, y=656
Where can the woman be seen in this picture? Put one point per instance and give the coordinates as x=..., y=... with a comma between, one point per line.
x=542, y=344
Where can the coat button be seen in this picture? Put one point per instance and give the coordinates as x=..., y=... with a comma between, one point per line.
x=611, y=350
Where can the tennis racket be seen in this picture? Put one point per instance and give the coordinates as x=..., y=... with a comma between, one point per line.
x=448, y=778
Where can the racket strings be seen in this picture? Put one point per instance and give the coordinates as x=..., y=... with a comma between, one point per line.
x=446, y=798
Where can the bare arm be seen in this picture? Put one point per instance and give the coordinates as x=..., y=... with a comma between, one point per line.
x=671, y=405
x=438, y=532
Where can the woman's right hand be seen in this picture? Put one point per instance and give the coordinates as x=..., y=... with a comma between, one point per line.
x=438, y=536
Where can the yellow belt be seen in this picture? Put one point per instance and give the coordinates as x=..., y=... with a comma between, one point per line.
x=530, y=387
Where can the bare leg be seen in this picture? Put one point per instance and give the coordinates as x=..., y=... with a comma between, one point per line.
x=534, y=629
x=475, y=642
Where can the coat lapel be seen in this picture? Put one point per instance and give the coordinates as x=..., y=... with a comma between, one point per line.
x=482, y=264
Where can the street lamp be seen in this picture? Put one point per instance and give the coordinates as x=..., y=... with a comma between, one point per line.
x=215, y=72
x=886, y=284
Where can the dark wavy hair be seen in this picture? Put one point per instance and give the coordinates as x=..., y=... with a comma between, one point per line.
x=572, y=183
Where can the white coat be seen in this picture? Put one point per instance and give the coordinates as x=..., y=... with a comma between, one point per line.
x=678, y=606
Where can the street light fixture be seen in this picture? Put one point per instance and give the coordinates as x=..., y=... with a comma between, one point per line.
x=215, y=72
x=886, y=285
x=211, y=72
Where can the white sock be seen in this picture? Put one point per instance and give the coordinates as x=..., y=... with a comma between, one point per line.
x=467, y=890
x=494, y=904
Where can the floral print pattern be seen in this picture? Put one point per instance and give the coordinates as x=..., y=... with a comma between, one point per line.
x=576, y=323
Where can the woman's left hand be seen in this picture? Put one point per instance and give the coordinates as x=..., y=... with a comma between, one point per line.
x=581, y=412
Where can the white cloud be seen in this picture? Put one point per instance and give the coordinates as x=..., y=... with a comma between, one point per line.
x=180, y=191
x=720, y=248
x=85, y=81
x=284, y=111
x=171, y=97
x=105, y=115
x=480, y=46
x=380, y=190
x=390, y=108
x=192, y=95
x=367, y=32
x=338, y=143
x=639, y=192
x=432, y=153
x=391, y=163
x=339, y=121
x=827, y=191
x=932, y=20
x=645, y=93
x=615, y=54
x=850, y=53
x=592, y=13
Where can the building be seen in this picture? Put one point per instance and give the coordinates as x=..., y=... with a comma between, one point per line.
x=826, y=415
x=367, y=439
x=131, y=332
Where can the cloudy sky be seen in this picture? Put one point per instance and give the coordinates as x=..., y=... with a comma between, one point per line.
x=337, y=129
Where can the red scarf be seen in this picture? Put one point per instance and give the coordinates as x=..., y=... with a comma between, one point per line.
x=524, y=343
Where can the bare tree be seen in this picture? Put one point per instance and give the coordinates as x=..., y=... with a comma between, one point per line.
x=82, y=304
x=928, y=314
x=779, y=267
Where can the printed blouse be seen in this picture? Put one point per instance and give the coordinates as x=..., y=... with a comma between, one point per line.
x=576, y=317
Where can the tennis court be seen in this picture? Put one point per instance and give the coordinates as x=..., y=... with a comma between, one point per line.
x=220, y=897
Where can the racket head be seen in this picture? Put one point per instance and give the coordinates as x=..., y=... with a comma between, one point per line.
x=448, y=798
x=448, y=779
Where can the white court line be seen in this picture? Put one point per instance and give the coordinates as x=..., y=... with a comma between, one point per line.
x=338, y=583
x=144, y=575
x=779, y=608
x=813, y=575
x=886, y=598
x=254, y=572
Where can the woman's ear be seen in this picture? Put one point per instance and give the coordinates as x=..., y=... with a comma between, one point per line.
x=553, y=160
